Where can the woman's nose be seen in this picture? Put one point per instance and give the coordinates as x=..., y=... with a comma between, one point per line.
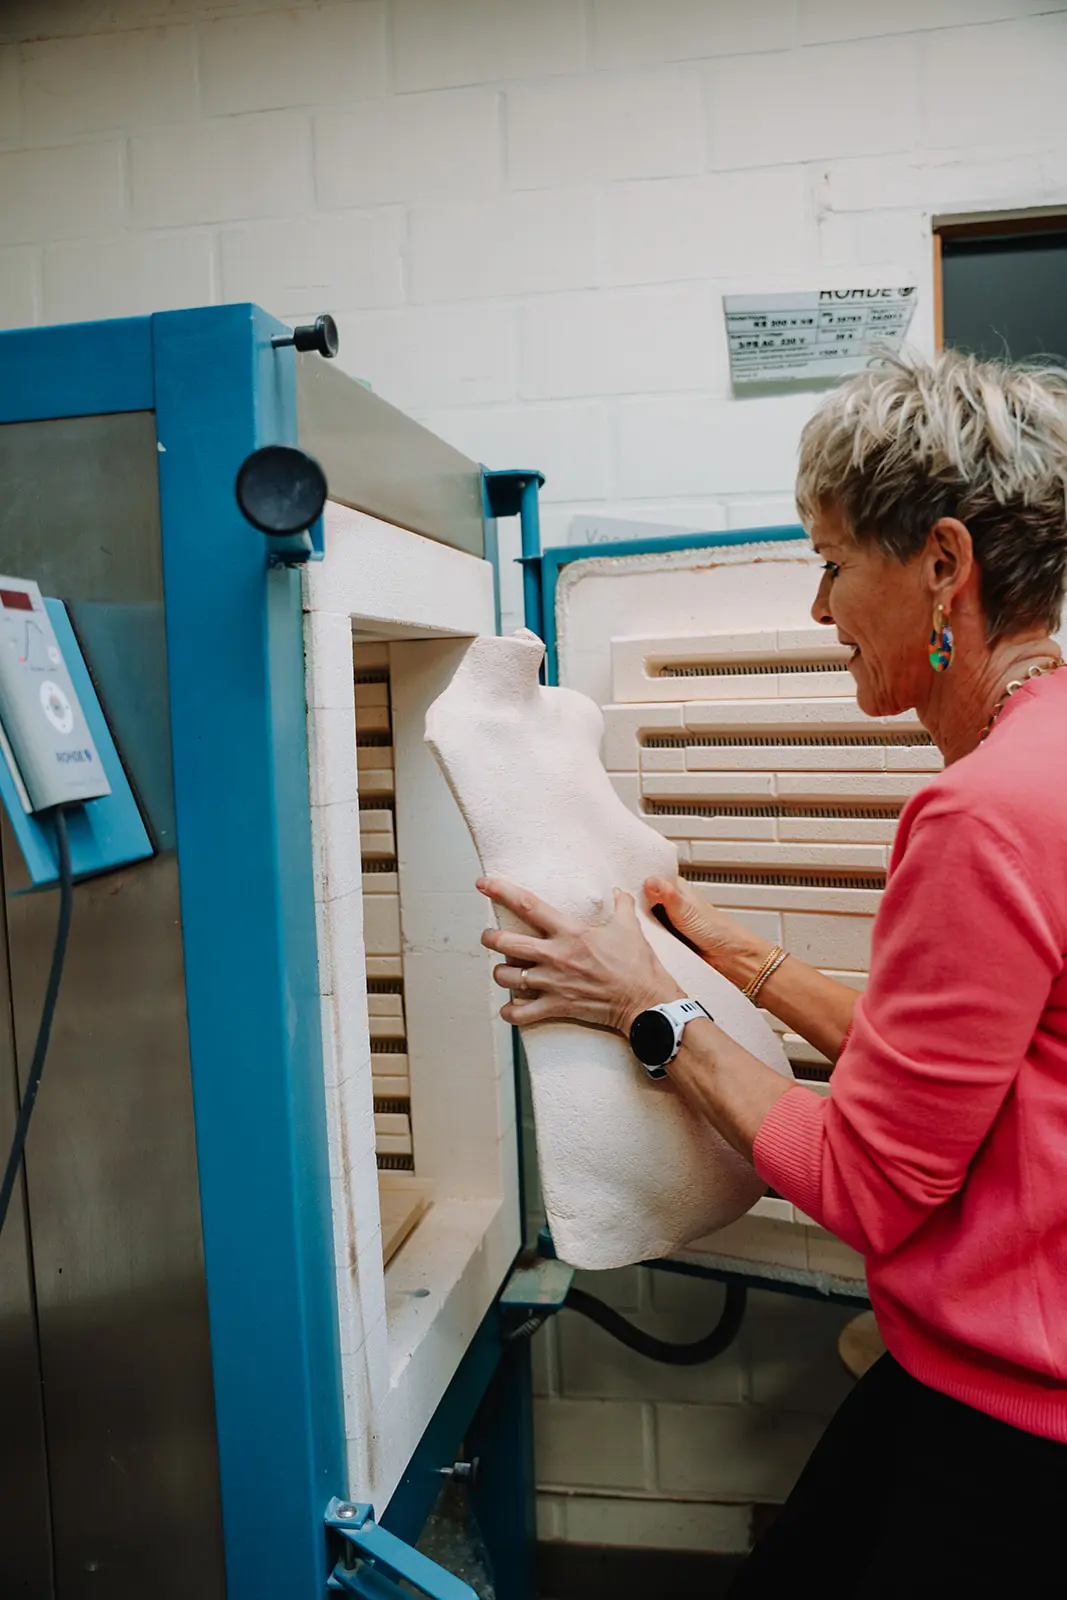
x=820, y=608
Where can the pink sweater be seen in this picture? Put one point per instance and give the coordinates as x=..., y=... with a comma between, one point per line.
x=941, y=1152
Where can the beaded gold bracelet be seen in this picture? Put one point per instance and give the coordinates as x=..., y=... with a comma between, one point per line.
x=772, y=963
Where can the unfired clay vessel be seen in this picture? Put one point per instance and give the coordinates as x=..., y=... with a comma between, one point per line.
x=628, y=1172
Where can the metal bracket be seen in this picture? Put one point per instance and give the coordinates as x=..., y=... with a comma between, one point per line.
x=514, y=494
x=537, y=1289
x=294, y=550
x=375, y=1562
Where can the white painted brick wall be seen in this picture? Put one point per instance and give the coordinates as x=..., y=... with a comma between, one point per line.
x=523, y=214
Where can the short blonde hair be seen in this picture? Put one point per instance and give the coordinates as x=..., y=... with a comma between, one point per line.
x=908, y=441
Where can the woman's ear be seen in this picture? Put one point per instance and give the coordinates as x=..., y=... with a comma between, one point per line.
x=948, y=560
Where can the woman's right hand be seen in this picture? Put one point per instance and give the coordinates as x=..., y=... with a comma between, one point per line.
x=725, y=944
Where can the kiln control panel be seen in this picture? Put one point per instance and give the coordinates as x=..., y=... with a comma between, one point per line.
x=44, y=734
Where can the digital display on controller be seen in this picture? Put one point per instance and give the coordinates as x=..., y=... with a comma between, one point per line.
x=16, y=600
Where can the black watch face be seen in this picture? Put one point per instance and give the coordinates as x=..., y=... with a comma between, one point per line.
x=652, y=1039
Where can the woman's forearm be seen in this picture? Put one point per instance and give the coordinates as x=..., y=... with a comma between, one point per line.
x=805, y=999
x=811, y=1004
x=726, y=1084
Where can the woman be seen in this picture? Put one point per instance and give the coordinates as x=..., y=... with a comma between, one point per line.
x=935, y=495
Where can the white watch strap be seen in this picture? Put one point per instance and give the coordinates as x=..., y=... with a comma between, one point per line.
x=678, y=1013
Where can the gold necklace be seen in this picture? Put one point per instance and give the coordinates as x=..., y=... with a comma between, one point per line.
x=1037, y=669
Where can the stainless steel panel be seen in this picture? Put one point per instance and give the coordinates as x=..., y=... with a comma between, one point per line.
x=379, y=461
x=25, y=1536
x=111, y=1165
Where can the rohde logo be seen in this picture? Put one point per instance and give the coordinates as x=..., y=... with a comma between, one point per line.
x=64, y=757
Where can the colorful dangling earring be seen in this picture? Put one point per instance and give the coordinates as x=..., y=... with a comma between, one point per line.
x=941, y=643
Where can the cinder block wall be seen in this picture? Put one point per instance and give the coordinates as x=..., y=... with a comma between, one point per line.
x=524, y=214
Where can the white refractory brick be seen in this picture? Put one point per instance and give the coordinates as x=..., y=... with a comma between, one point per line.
x=393, y=1144
x=396, y=1123
x=130, y=276
x=599, y=128
x=331, y=756
x=671, y=759
x=389, y=1086
x=779, y=898
x=336, y=843
x=372, y=758
x=371, y=696
x=293, y=58
x=385, y=967
x=632, y=33
x=792, y=716
x=708, y=446
x=221, y=171
x=635, y=662
x=599, y=1443
x=114, y=80
x=1016, y=66
x=822, y=21
x=73, y=192
x=349, y=260
x=719, y=226
x=372, y=719
x=631, y=343
x=377, y=840
x=876, y=787
x=380, y=883
x=18, y=299
x=376, y=782
x=567, y=443
x=381, y=925
x=740, y=853
x=679, y=786
x=385, y=1005
x=623, y=726
x=439, y=46
x=386, y=1064
x=328, y=660
x=409, y=147
x=435, y=355
x=745, y=1452
x=856, y=97
x=828, y=940
x=10, y=111
x=507, y=245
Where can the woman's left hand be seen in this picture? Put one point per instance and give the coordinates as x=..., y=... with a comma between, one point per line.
x=570, y=971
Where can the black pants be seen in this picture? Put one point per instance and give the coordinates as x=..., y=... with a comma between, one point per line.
x=909, y=1494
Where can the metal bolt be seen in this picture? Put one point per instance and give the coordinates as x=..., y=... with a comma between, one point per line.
x=346, y=1512
x=462, y=1471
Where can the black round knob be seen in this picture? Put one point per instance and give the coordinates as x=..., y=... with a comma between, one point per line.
x=320, y=336
x=281, y=490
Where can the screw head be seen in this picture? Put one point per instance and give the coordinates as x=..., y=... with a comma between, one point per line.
x=346, y=1512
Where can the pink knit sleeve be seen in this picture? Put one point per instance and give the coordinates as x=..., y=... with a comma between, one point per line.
x=963, y=959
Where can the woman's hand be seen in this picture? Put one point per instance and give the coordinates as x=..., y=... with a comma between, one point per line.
x=569, y=971
x=724, y=943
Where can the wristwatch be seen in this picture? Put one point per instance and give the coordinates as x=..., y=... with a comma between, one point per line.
x=656, y=1035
